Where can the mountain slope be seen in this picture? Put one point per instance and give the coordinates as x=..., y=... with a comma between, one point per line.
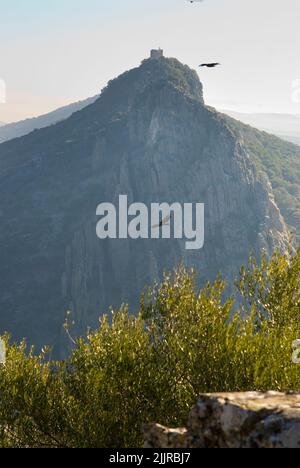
x=281, y=162
x=149, y=136
x=285, y=126
x=19, y=129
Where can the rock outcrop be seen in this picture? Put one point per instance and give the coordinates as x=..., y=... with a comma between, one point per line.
x=237, y=420
x=151, y=137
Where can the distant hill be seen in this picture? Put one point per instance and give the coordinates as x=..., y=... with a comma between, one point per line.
x=286, y=126
x=19, y=129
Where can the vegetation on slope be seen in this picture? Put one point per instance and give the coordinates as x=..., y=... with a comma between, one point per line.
x=281, y=161
x=152, y=367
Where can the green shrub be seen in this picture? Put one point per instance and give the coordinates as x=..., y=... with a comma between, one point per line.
x=133, y=370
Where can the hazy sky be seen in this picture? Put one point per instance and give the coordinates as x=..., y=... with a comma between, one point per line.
x=55, y=52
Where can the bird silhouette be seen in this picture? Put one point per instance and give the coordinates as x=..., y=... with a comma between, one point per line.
x=209, y=65
x=164, y=222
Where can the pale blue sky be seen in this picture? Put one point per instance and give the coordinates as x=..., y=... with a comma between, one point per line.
x=54, y=52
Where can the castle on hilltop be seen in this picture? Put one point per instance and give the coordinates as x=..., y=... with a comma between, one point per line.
x=156, y=54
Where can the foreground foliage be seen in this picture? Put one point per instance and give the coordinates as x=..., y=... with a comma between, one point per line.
x=133, y=370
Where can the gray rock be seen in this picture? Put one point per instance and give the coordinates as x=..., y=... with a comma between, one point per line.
x=234, y=420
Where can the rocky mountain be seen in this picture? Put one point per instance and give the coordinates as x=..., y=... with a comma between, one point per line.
x=151, y=137
x=19, y=129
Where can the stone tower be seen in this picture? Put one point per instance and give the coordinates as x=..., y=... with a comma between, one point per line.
x=156, y=54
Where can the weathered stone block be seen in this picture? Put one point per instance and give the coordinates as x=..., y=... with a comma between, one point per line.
x=235, y=420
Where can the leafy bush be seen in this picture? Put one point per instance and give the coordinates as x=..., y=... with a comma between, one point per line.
x=133, y=370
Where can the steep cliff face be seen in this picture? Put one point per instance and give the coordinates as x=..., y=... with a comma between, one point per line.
x=148, y=136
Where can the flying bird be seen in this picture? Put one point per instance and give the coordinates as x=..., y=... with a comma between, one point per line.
x=164, y=222
x=209, y=65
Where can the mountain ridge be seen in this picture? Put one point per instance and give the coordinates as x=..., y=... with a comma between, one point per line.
x=24, y=127
x=285, y=126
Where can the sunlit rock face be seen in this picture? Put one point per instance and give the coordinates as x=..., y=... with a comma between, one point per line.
x=234, y=420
